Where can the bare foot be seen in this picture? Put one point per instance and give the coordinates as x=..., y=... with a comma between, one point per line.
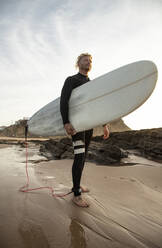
x=84, y=189
x=80, y=202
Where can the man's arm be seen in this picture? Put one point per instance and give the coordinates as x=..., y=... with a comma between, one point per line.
x=64, y=100
x=64, y=106
x=106, y=130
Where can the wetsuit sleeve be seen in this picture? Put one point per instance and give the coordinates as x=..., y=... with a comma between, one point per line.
x=64, y=100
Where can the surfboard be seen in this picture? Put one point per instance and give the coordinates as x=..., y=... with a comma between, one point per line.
x=102, y=100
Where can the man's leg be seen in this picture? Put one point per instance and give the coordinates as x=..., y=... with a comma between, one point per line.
x=88, y=136
x=77, y=168
x=78, y=164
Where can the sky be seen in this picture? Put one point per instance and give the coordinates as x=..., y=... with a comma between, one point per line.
x=41, y=39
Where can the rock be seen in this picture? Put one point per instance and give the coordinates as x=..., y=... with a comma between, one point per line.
x=21, y=143
x=153, y=150
x=68, y=154
x=55, y=148
x=100, y=153
x=104, y=154
x=148, y=142
x=115, y=126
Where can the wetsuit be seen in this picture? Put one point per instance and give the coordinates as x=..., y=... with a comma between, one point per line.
x=81, y=140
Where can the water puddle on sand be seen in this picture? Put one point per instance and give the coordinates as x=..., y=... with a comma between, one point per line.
x=135, y=159
x=13, y=159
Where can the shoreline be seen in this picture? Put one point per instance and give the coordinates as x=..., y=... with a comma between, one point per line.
x=21, y=139
x=124, y=160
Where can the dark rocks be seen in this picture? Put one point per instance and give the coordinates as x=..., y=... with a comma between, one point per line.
x=153, y=150
x=99, y=153
x=147, y=142
x=57, y=149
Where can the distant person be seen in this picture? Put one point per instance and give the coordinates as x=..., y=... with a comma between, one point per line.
x=81, y=140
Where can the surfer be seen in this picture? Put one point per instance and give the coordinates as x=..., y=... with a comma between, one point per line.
x=81, y=140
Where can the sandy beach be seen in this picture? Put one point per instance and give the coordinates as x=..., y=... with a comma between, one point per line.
x=125, y=204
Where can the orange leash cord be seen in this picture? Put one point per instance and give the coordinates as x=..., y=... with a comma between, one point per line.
x=25, y=188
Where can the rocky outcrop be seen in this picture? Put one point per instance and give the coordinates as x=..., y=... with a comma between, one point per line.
x=115, y=126
x=2, y=128
x=119, y=126
x=148, y=142
x=110, y=151
x=99, y=152
x=57, y=149
x=16, y=130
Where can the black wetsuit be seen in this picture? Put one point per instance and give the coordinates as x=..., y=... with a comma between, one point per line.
x=81, y=140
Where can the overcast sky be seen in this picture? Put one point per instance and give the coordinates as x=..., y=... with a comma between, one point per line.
x=40, y=40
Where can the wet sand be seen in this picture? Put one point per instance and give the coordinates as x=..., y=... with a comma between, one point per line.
x=125, y=204
x=4, y=145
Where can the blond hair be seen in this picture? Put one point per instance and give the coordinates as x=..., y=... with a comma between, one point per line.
x=81, y=56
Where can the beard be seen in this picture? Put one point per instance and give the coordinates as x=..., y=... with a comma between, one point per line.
x=86, y=67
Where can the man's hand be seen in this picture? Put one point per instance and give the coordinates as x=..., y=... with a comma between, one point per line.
x=69, y=129
x=106, y=132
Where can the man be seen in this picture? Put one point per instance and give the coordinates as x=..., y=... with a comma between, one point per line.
x=81, y=140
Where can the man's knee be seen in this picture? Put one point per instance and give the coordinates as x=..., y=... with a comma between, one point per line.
x=79, y=147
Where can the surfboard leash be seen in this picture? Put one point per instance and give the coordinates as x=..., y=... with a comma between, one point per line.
x=25, y=188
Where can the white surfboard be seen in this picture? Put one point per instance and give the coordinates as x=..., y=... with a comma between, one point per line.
x=102, y=100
